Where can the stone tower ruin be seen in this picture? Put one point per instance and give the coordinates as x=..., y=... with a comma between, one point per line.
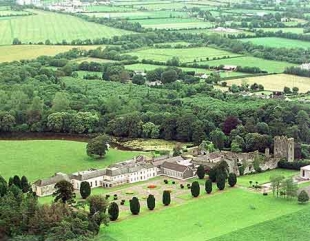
x=284, y=148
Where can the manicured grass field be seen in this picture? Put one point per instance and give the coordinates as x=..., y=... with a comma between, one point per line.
x=11, y=12
x=41, y=159
x=264, y=177
x=278, y=42
x=173, y=23
x=268, y=65
x=19, y=52
x=290, y=227
x=276, y=82
x=53, y=26
x=185, y=55
x=203, y=218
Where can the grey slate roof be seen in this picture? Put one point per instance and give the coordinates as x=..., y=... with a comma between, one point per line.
x=89, y=174
x=126, y=167
x=160, y=161
x=174, y=166
x=52, y=180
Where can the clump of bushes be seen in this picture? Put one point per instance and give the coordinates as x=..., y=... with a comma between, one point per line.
x=115, y=197
x=181, y=186
x=166, y=181
x=107, y=196
x=292, y=165
x=123, y=202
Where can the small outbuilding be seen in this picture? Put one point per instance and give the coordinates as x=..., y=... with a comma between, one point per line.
x=305, y=172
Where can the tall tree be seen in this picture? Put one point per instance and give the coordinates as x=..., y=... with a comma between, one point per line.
x=113, y=211
x=201, y=172
x=97, y=203
x=60, y=102
x=64, y=192
x=85, y=190
x=276, y=181
x=218, y=138
x=24, y=184
x=16, y=181
x=98, y=146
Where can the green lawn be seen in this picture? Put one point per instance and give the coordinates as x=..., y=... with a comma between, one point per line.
x=291, y=227
x=41, y=159
x=53, y=26
x=202, y=219
x=18, y=52
x=185, y=54
x=268, y=65
x=264, y=177
x=278, y=42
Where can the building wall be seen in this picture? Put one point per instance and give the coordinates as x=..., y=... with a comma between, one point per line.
x=305, y=173
x=44, y=190
x=94, y=182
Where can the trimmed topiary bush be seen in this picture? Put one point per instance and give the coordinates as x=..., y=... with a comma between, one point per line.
x=134, y=206
x=150, y=202
x=303, y=197
x=85, y=190
x=208, y=186
x=232, y=179
x=113, y=211
x=220, y=182
x=195, y=189
x=166, y=198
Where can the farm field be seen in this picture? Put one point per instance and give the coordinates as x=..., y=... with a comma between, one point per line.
x=185, y=55
x=173, y=23
x=139, y=14
x=62, y=27
x=41, y=159
x=267, y=65
x=278, y=42
x=12, y=13
x=19, y=52
x=189, y=222
x=276, y=82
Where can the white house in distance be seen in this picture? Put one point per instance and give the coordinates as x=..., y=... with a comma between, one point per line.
x=305, y=172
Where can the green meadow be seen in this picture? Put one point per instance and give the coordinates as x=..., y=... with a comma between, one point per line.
x=185, y=55
x=278, y=42
x=53, y=26
x=203, y=218
x=41, y=159
x=268, y=65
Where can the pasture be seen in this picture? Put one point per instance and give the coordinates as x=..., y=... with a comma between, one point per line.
x=204, y=216
x=276, y=82
x=20, y=52
x=139, y=14
x=185, y=55
x=270, y=66
x=278, y=42
x=173, y=23
x=60, y=27
x=41, y=159
x=148, y=67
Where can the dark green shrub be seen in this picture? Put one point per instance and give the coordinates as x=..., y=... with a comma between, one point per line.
x=134, y=206
x=208, y=186
x=232, y=179
x=151, y=202
x=166, y=198
x=195, y=189
x=113, y=211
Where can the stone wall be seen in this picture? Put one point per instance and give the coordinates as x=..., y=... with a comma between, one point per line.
x=284, y=148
